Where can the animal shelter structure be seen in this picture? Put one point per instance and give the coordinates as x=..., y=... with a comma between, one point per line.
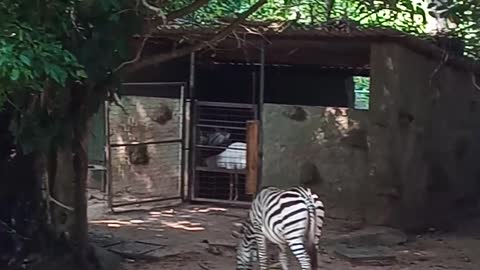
x=384, y=126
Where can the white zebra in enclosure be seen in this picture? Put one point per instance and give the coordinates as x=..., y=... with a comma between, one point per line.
x=292, y=217
x=233, y=158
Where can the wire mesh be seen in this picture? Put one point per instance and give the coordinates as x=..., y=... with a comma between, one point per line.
x=216, y=185
x=221, y=150
x=146, y=144
x=137, y=179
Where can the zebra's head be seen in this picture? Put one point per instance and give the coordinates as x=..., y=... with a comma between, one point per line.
x=246, y=249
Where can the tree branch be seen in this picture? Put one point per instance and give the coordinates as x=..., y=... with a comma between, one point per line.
x=164, y=18
x=222, y=34
x=160, y=13
x=330, y=6
x=137, y=57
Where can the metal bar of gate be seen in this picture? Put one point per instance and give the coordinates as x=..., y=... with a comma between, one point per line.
x=261, y=100
x=197, y=168
x=226, y=104
x=154, y=83
x=193, y=150
x=220, y=126
x=182, y=146
x=192, y=131
x=146, y=143
x=108, y=158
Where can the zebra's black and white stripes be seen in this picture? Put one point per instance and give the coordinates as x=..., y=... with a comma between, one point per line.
x=290, y=218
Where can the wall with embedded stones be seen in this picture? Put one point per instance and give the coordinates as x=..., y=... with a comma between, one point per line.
x=96, y=151
x=425, y=130
x=324, y=148
x=410, y=161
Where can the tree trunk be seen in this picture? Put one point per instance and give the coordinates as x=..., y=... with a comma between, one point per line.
x=67, y=164
x=81, y=128
x=80, y=166
x=43, y=194
x=22, y=216
x=61, y=189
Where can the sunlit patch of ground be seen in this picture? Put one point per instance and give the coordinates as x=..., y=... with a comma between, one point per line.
x=191, y=219
x=185, y=228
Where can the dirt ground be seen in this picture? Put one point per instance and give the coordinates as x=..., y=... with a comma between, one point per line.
x=183, y=233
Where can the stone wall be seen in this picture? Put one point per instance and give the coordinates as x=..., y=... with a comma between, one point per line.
x=96, y=150
x=321, y=147
x=146, y=170
x=424, y=130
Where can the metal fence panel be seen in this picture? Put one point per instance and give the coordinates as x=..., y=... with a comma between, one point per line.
x=146, y=142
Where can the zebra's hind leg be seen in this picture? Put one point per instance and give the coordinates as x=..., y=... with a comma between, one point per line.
x=298, y=249
x=262, y=251
x=283, y=257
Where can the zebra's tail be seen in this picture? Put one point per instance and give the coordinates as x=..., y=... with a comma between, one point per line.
x=310, y=232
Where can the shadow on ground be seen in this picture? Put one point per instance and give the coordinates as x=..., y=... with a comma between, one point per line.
x=199, y=237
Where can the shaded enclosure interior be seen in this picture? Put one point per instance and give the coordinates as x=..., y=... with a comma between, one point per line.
x=398, y=149
x=225, y=100
x=226, y=95
x=220, y=156
x=285, y=85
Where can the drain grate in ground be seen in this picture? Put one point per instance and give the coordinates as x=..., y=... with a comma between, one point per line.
x=152, y=241
x=378, y=256
x=134, y=249
x=104, y=240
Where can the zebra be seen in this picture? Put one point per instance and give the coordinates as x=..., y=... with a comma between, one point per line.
x=292, y=217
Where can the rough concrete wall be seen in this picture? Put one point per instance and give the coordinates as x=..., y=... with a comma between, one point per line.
x=96, y=149
x=425, y=125
x=145, y=171
x=324, y=148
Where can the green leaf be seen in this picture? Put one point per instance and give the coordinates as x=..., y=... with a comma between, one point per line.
x=15, y=74
x=81, y=74
x=56, y=73
x=24, y=59
x=115, y=17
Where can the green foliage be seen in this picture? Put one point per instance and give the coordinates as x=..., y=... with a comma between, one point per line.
x=464, y=21
x=410, y=16
x=400, y=14
x=30, y=59
x=50, y=46
x=55, y=43
x=362, y=92
x=103, y=36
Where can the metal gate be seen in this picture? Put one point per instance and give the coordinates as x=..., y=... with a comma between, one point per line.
x=217, y=176
x=146, y=142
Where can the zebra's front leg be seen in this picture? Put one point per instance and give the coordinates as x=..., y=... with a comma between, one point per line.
x=283, y=257
x=298, y=249
x=262, y=251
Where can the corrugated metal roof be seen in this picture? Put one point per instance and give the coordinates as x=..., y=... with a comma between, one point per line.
x=339, y=29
